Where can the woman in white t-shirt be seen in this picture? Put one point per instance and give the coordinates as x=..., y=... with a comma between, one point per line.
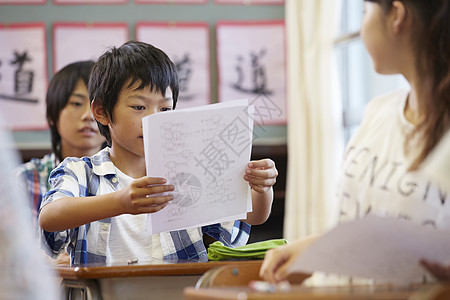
x=381, y=166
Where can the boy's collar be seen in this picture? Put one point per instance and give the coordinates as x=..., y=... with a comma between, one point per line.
x=102, y=164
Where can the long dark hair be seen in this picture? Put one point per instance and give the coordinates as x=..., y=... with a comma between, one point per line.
x=58, y=94
x=432, y=46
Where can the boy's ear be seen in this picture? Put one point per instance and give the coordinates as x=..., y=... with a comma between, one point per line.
x=99, y=112
x=399, y=16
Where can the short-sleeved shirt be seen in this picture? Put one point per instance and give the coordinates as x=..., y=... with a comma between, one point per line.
x=375, y=178
x=96, y=175
x=35, y=174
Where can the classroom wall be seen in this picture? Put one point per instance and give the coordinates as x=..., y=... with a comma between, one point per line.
x=132, y=13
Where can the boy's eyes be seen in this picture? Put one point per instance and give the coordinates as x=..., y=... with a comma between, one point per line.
x=76, y=103
x=140, y=108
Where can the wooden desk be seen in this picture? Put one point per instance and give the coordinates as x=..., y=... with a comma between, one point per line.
x=156, y=280
x=310, y=293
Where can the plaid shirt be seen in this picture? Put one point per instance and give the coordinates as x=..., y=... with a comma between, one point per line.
x=96, y=175
x=35, y=174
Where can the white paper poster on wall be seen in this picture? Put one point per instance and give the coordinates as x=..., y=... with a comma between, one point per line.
x=23, y=75
x=187, y=45
x=90, y=1
x=21, y=2
x=250, y=2
x=251, y=64
x=83, y=41
x=172, y=1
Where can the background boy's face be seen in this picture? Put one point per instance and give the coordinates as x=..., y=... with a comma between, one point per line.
x=132, y=105
x=76, y=126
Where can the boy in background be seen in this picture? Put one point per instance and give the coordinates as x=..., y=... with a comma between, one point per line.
x=74, y=133
x=72, y=127
x=103, y=199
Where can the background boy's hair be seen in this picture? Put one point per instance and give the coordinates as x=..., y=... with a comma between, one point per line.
x=58, y=94
x=133, y=62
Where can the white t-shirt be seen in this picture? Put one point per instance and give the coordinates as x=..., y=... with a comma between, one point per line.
x=374, y=177
x=128, y=239
x=437, y=164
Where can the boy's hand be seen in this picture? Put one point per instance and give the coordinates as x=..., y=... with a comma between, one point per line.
x=141, y=195
x=261, y=175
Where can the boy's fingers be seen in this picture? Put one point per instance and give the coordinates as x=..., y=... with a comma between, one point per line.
x=260, y=181
x=150, y=190
x=152, y=209
x=158, y=189
x=262, y=163
x=145, y=181
x=149, y=203
x=267, y=173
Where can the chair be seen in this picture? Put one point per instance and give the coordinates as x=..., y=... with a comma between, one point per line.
x=234, y=275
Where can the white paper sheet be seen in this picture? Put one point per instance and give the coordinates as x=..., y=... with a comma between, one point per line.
x=203, y=152
x=382, y=248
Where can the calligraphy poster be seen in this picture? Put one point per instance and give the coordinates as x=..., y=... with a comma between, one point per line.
x=172, y=1
x=251, y=64
x=85, y=41
x=21, y=2
x=250, y=2
x=187, y=45
x=90, y=1
x=23, y=75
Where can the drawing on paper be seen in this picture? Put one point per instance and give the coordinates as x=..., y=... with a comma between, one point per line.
x=188, y=189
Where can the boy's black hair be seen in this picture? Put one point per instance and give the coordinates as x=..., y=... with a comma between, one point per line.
x=58, y=93
x=133, y=62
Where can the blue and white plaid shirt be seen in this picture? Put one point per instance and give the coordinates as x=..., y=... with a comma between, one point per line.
x=96, y=175
x=34, y=176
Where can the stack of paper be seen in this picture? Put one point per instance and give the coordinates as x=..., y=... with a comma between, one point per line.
x=203, y=152
x=386, y=249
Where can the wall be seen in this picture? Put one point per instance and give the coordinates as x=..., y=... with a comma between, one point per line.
x=132, y=13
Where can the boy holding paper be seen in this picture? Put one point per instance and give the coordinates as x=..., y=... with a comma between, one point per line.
x=104, y=199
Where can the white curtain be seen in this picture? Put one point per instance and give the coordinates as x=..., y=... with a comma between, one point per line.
x=314, y=126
